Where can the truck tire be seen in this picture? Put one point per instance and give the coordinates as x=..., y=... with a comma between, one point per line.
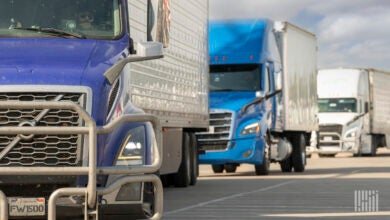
x=217, y=168
x=373, y=144
x=326, y=155
x=230, y=168
x=167, y=179
x=183, y=176
x=263, y=169
x=298, y=156
x=286, y=165
x=194, y=160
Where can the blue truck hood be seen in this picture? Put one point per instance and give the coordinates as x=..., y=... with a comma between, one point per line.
x=230, y=100
x=53, y=61
x=75, y=62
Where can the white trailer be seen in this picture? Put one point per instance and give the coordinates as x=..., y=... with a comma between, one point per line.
x=354, y=111
x=175, y=88
x=297, y=108
x=299, y=111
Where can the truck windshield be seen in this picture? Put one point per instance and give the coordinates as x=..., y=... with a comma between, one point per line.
x=337, y=105
x=235, y=78
x=58, y=18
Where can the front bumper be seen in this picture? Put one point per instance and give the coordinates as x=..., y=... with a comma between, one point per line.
x=245, y=150
x=91, y=194
x=329, y=145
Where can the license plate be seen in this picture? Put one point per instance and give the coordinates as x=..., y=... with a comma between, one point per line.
x=328, y=138
x=26, y=206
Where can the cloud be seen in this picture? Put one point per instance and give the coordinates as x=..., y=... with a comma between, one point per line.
x=358, y=37
x=350, y=32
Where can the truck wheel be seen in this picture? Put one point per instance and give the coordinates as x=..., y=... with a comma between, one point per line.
x=217, y=168
x=230, y=168
x=298, y=156
x=374, y=146
x=286, y=165
x=194, y=160
x=263, y=169
x=183, y=176
x=326, y=155
x=167, y=180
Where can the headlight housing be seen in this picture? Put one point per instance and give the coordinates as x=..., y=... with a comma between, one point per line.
x=351, y=134
x=133, y=148
x=253, y=128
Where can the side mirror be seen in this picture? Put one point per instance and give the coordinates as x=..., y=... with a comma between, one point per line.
x=149, y=50
x=278, y=81
x=366, y=110
x=145, y=51
x=260, y=94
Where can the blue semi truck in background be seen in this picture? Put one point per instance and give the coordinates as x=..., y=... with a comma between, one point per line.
x=263, y=95
x=91, y=91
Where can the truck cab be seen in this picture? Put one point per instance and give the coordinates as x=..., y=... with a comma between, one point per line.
x=262, y=95
x=238, y=77
x=75, y=140
x=349, y=111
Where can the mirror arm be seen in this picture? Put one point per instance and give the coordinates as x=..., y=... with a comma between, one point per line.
x=258, y=100
x=355, y=118
x=269, y=95
x=245, y=107
x=114, y=72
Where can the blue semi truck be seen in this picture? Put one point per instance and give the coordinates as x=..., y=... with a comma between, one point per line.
x=91, y=91
x=262, y=95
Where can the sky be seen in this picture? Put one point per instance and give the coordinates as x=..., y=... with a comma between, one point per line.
x=350, y=33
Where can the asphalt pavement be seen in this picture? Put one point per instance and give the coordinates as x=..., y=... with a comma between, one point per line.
x=343, y=187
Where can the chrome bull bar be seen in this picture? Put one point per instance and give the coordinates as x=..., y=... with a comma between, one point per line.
x=90, y=191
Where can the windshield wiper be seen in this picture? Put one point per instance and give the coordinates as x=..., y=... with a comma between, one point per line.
x=54, y=31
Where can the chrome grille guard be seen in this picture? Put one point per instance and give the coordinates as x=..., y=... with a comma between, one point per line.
x=142, y=173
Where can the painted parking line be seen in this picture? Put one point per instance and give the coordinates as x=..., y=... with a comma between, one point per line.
x=317, y=215
x=228, y=197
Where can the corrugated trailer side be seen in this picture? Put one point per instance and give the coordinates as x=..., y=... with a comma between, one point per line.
x=299, y=58
x=380, y=102
x=176, y=87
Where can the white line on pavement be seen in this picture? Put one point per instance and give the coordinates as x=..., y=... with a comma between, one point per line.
x=228, y=197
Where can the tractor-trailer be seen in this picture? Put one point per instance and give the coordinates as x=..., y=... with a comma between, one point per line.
x=354, y=111
x=91, y=91
x=263, y=101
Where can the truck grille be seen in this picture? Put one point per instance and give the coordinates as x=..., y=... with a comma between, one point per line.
x=331, y=128
x=330, y=135
x=42, y=150
x=217, y=139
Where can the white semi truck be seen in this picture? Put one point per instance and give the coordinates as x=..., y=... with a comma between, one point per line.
x=354, y=111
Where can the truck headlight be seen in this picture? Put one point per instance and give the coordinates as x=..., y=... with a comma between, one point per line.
x=133, y=148
x=351, y=134
x=251, y=129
